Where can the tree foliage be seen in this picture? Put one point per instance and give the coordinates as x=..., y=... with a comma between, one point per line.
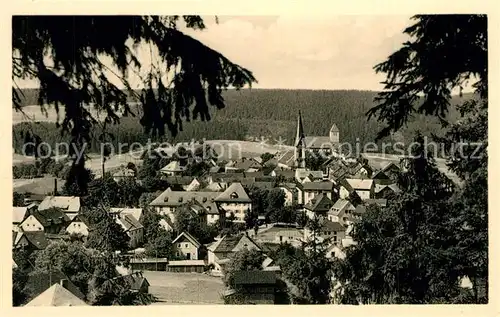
x=106, y=235
x=444, y=52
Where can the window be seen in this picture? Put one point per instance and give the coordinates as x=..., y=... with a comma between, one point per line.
x=178, y=245
x=281, y=238
x=334, y=238
x=186, y=245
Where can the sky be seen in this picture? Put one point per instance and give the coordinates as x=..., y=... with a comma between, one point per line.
x=302, y=52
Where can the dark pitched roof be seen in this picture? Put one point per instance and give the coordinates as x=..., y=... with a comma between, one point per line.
x=320, y=203
x=254, y=277
x=50, y=216
x=287, y=174
x=333, y=226
x=39, y=282
x=36, y=238
x=324, y=186
x=179, y=180
x=82, y=218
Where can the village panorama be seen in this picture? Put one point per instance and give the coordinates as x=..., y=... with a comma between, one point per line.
x=212, y=183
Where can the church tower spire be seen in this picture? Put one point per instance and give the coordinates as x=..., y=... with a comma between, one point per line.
x=300, y=144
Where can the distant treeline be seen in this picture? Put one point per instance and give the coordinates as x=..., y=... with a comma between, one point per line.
x=269, y=113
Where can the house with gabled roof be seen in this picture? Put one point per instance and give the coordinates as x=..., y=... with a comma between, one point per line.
x=80, y=225
x=342, y=211
x=70, y=205
x=132, y=228
x=51, y=220
x=173, y=168
x=169, y=200
x=318, y=206
x=186, y=246
x=31, y=241
x=56, y=295
x=220, y=252
x=39, y=282
x=365, y=188
x=19, y=214
x=385, y=191
x=309, y=190
x=123, y=174
x=137, y=213
x=234, y=200
x=243, y=165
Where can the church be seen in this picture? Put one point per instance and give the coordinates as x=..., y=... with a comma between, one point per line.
x=296, y=158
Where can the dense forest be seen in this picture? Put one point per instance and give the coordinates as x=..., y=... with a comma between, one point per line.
x=256, y=113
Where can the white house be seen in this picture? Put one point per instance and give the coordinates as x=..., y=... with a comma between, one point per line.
x=342, y=211
x=49, y=221
x=329, y=230
x=70, y=205
x=234, y=200
x=365, y=188
x=173, y=168
x=137, y=213
x=132, y=227
x=186, y=246
x=19, y=214
x=80, y=225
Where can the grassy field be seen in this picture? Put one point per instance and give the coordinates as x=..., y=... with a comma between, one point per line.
x=184, y=288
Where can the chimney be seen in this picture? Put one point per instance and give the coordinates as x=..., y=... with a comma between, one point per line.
x=55, y=186
x=64, y=283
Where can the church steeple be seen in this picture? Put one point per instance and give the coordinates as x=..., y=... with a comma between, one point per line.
x=300, y=131
x=300, y=144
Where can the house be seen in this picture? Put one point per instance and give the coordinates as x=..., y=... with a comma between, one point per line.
x=48, y=220
x=166, y=224
x=194, y=185
x=137, y=213
x=137, y=282
x=80, y=225
x=178, y=182
x=168, y=201
x=303, y=175
x=287, y=175
x=173, y=168
x=56, y=295
x=358, y=213
x=70, y=205
x=385, y=191
x=252, y=287
x=291, y=193
x=318, y=206
x=381, y=202
x=284, y=159
x=186, y=266
x=132, y=228
x=308, y=190
x=221, y=250
x=31, y=241
x=123, y=174
x=365, y=188
x=332, y=230
x=186, y=246
x=342, y=211
x=234, y=200
x=335, y=251
x=243, y=165
x=38, y=283
x=387, y=174
x=19, y=214
x=277, y=233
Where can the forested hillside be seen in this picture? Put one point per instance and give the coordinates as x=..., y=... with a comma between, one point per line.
x=257, y=113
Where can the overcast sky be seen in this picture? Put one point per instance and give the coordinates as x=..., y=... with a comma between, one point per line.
x=316, y=52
